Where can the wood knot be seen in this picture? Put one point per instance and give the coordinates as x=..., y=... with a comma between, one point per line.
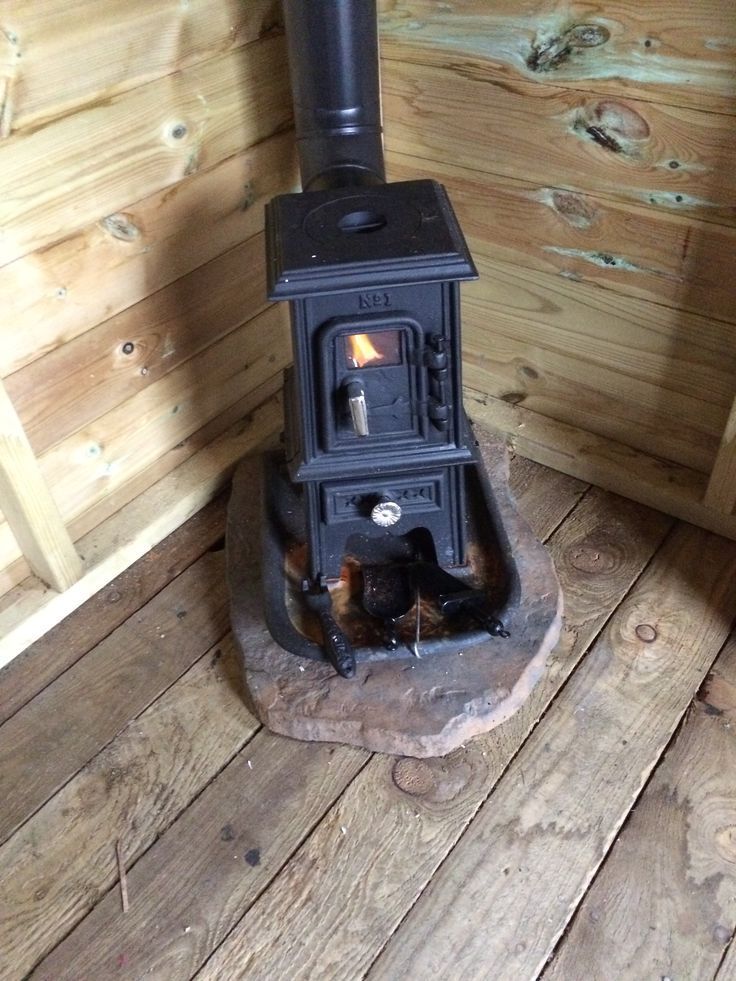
x=613, y=126
x=646, y=633
x=122, y=227
x=551, y=52
x=591, y=558
x=574, y=208
x=414, y=777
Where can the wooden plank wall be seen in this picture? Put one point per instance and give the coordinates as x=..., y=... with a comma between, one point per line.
x=590, y=151
x=139, y=141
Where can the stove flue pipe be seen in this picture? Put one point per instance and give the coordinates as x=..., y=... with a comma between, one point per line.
x=334, y=67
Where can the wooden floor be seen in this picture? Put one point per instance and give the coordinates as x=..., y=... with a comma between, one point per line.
x=593, y=836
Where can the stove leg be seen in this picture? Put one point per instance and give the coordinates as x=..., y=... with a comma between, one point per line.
x=337, y=647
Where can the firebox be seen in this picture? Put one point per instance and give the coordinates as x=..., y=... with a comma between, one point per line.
x=369, y=549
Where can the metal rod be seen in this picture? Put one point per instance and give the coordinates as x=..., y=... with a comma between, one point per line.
x=334, y=66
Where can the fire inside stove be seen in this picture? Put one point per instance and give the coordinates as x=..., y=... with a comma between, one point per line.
x=379, y=348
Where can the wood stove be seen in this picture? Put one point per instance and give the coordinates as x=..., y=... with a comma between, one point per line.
x=372, y=487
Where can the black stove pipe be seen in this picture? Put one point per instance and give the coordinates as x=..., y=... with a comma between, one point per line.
x=334, y=66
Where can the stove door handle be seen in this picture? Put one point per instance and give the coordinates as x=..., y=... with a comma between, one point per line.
x=358, y=409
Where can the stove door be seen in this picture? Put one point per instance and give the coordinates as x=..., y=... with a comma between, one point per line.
x=373, y=384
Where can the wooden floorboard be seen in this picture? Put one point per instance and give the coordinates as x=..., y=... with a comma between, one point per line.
x=250, y=855
x=61, y=647
x=666, y=897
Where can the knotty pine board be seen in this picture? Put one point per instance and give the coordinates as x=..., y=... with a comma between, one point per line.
x=87, y=467
x=263, y=820
x=95, y=162
x=535, y=846
x=634, y=250
x=627, y=369
x=341, y=896
x=43, y=745
x=60, y=648
x=664, y=899
x=57, y=293
x=683, y=56
x=70, y=387
x=665, y=156
x=121, y=44
x=131, y=791
x=30, y=610
x=658, y=483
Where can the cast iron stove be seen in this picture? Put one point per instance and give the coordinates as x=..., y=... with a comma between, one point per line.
x=392, y=549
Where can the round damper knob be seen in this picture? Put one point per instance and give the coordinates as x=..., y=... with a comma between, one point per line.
x=386, y=513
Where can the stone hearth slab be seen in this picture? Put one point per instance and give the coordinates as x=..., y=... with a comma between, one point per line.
x=406, y=706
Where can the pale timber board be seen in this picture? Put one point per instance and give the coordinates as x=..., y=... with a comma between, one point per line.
x=102, y=456
x=65, y=644
x=721, y=492
x=70, y=387
x=624, y=369
x=58, y=292
x=192, y=886
x=211, y=890
x=684, y=57
x=30, y=510
x=109, y=549
x=62, y=861
x=14, y=574
x=342, y=895
x=65, y=725
x=548, y=135
x=657, y=483
x=664, y=905
x=121, y=44
x=631, y=249
x=503, y=898
x=84, y=167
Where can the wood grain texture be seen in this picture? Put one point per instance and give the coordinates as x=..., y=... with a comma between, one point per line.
x=131, y=791
x=58, y=292
x=212, y=864
x=536, y=844
x=62, y=646
x=88, y=466
x=44, y=744
x=94, y=163
x=685, y=58
x=29, y=611
x=623, y=149
x=621, y=368
x=633, y=250
x=31, y=513
x=121, y=43
x=721, y=491
x=663, y=902
x=74, y=385
x=343, y=894
x=657, y=483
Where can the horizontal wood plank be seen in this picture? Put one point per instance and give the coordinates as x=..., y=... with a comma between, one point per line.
x=534, y=847
x=30, y=610
x=58, y=292
x=131, y=792
x=50, y=656
x=43, y=745
x=655, y=482
x=104, y=455
x=665, y=156
x=663, y=901
x=625, y=47
x=121, y=43
x=59, y=394
x=343, y=893
x=633, y=250
x=94, y=163
x=622, y=368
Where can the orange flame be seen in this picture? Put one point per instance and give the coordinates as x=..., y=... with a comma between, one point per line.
x=362, y=351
